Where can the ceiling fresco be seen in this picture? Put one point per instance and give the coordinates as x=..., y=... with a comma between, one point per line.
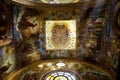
x=58, y=40
x=54, y=34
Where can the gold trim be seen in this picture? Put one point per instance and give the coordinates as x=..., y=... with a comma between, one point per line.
x=60, y=1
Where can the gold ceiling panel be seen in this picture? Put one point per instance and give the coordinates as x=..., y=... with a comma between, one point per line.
x=61, y=35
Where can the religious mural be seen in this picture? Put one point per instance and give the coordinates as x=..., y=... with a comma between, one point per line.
x=53, y=34
x=58, y=44
x=36, y=30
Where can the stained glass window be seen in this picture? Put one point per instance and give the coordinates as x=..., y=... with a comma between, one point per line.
x=61, y=75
